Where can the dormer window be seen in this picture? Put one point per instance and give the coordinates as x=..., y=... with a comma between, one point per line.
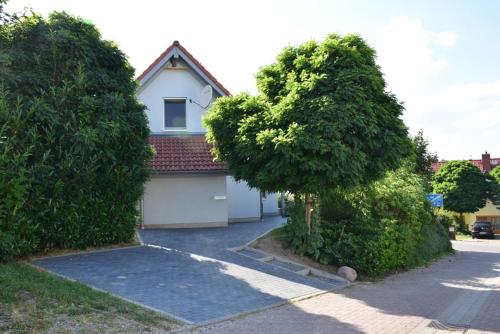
x=174, y=113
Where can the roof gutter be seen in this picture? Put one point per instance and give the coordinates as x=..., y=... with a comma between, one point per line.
x=190, y=172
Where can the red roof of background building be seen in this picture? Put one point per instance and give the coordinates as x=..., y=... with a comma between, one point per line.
x=476, y=162
x=183, y=155
x=190, y=56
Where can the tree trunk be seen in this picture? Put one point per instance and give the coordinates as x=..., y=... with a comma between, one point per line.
x=462, y=222
x=283, y=212
x=309, y=210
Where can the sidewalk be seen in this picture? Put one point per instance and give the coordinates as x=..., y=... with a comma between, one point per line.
x=454, y=294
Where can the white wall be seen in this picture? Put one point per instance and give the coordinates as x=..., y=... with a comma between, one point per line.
x=270, y=204
x=181, y=83
x=185, y=201
x=243, y=202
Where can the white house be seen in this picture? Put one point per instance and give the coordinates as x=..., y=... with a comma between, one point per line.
x=187, y=187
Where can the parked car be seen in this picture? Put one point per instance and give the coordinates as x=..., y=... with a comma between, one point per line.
x=483, y=230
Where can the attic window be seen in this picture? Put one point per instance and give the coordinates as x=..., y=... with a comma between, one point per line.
x=175, y=114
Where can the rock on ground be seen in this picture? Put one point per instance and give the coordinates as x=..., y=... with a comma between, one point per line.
x=348, y=273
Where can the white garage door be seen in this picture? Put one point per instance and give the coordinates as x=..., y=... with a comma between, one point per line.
x=185, y=201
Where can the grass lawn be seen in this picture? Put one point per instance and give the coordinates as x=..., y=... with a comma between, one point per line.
x=460, y=236
x=33, y=301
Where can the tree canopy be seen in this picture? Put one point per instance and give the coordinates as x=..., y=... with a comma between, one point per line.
x=323, y=118
x=495, y=174
x=493, y=178
x=423, y=158
x=74, y=145
x=463, y=186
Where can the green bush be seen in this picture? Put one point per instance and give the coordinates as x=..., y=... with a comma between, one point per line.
x=432, y=243
x=73, y=137
x=385, y=226
x=296, y=233
x=447, y=218
x=18, y=231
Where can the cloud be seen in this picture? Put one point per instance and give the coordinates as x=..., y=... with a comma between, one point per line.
x=460, y=120
x=407, y=56
x=463, y=120
x=446, y=39
x=484, y=95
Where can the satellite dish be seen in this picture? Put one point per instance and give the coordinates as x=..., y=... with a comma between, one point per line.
x=206, y=96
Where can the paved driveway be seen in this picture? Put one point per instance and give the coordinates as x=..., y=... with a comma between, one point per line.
x=457, y=294
x=190, y=273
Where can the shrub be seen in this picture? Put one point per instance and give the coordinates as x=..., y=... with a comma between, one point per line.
x=385, y=226
x=74, y=151
x=447, y=218
x=433, y=242
x=296, y=234
x=18, y=231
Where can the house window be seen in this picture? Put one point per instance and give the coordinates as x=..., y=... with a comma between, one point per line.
x=175, y=114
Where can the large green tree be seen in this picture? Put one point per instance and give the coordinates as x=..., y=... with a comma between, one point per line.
x=463, y=186
x=495, y=174
x=74, y=145
x=323, y=118
x=493, y=178
x=423, y=159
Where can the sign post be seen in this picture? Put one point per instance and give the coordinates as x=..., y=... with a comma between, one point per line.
x=436, y=200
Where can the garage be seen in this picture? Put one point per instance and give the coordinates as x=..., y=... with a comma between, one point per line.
x=495, y=220
x=187, y=188
x=489, y=213
x=185, y=201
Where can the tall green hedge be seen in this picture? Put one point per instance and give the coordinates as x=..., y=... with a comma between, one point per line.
x=375, y=229
x=73, y=137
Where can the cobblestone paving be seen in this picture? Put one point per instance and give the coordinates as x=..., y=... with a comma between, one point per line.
x=190, y=273
x=458, y=294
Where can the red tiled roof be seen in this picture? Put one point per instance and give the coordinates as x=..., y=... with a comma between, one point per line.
x=476, y=162
x=183, y=155
x=193, y=59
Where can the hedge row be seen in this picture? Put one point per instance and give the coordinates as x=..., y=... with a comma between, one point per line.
x=385, y=226
x=73, y=137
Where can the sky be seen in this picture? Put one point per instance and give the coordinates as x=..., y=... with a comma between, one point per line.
x=441, y=58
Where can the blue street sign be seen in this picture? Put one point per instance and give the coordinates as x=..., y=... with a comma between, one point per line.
x=436, y=200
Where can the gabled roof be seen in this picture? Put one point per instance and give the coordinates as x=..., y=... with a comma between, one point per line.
x=174, y=50
x=186, y=154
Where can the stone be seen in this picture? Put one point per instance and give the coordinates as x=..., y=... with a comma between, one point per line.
x=348, y=273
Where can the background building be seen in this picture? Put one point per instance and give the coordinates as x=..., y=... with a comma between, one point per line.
x=485, y=164
x=490, y=212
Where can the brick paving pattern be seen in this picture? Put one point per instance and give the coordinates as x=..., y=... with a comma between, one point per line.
x=190, y=273
x=458, y=294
